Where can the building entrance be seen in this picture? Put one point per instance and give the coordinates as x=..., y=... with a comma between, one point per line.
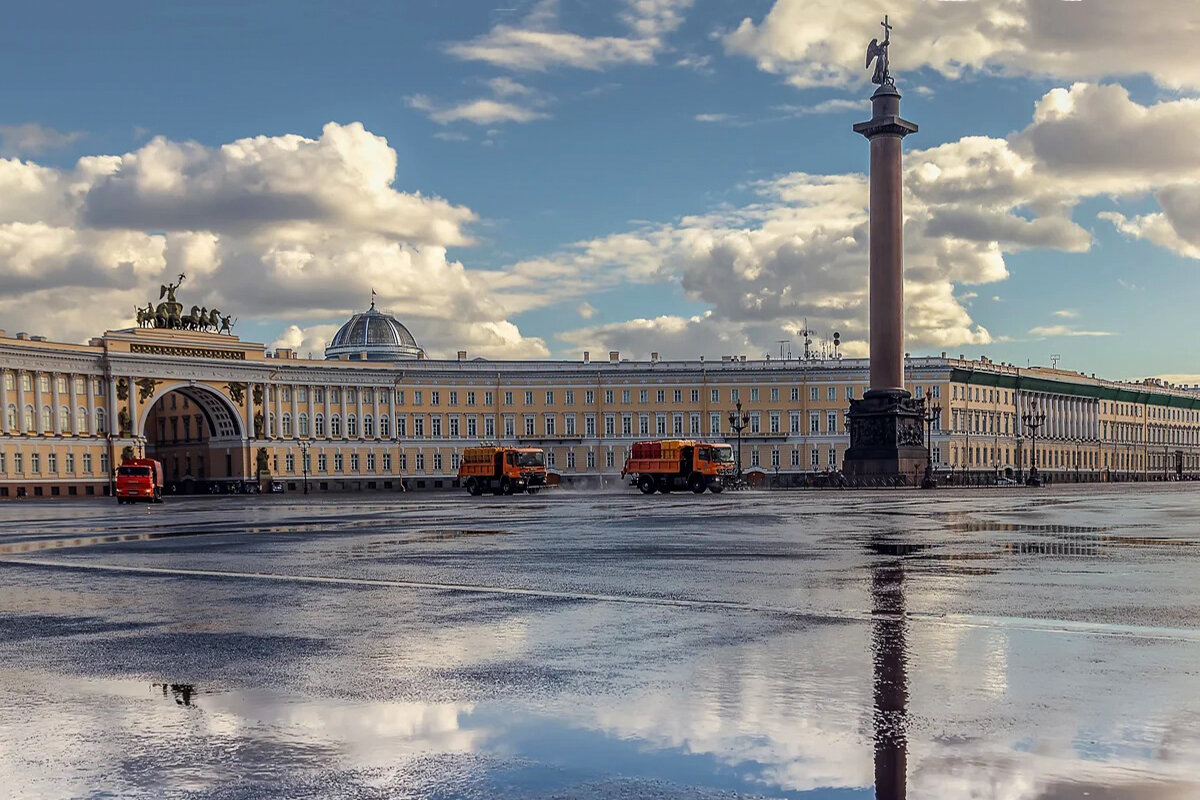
x=198, y=438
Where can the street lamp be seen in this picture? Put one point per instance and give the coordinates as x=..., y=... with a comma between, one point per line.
x=304, y=444
x=1033, y=420
x=738, y=421
x=931, y=414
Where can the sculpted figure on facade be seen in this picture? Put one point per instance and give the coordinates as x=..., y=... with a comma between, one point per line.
x=146, y=387
x=237, y=392
x=124, y=423
x=122, y=389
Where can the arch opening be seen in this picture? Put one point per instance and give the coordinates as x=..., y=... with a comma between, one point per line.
x=199, y=437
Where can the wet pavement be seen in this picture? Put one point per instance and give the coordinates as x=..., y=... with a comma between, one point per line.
x=1003, y=644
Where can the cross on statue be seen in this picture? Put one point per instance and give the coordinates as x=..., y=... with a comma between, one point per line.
x=877, y=51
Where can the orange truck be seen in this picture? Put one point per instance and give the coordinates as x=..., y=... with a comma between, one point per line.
x=679, y=464
x=139, y=479
x=502, y=470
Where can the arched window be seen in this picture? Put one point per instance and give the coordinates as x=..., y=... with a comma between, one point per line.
x=302, y=424
x=351, y=425
x=47, y=419
x=287, y=425
x=29, y=424
x=10, y=423
x=271, y=424
x=101, y=421
x=319, y=425
x=368, y=426
x=81, y=421
x=385, y=426
x=335, y=425
x=64, y=419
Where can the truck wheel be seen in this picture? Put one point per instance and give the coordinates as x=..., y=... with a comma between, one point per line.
x=473, y=487
x=664, y=484
x=533, y=489
x=506, y=486
x=696, y=483
x=716, y=487
x=646, y=484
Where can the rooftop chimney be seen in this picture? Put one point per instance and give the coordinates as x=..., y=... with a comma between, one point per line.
x=654, y=358
x=22, y=336
x=462, y=355
x=614, y=356
x=587, y=357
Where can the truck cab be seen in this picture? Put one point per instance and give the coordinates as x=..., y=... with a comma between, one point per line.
x=502, y=470
x=139, y=480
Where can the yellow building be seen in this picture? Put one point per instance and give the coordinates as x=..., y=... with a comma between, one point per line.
x=220, y=412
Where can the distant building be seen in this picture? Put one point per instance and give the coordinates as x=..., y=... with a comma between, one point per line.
x=214, y=408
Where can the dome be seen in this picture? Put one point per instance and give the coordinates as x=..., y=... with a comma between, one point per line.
x=373, y=336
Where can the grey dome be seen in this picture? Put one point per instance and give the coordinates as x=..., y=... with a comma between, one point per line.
x=373, y=336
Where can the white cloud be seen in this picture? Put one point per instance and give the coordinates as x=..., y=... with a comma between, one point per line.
x=713, y=117
x=270, y=227
x=1066, y=313
x=822, y=42
x=834, y=105
x=1063, y=330
x=32, y=139
x=480, y=111
x=534, y=45
x=586, y=310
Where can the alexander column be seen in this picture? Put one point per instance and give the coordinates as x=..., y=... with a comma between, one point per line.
x=887, y=437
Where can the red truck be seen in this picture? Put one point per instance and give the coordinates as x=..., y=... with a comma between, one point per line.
x=140, y=479
x=679, y=464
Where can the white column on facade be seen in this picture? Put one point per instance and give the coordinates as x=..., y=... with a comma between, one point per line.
x=278, y=427
x=268, y=428
x=4, y=401
x=248, y=414
x=37, y=403
x=89, y=389
x=133, y=408
x=311, y=414
x=56, y=402
x=358, y=399
x=375, y=396
x=73, y=412
x=344, y=412
x=111, y=414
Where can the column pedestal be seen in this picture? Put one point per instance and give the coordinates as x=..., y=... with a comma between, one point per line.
x=887, y=436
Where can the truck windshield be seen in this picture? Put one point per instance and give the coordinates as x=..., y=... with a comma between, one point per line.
x=722, y=454
x=134, y=472
x=531, y=459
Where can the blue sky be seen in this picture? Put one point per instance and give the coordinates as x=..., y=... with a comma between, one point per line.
x=671, y=175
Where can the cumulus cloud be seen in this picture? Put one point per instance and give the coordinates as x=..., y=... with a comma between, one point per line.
x=282, y=227
x=536, y=45
x=822, y=42
x=32, y=139
x=800, y=252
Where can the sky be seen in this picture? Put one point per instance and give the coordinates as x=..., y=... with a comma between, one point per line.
x=536, y=178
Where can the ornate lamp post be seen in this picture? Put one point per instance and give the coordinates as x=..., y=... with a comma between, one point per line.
x=931, y=413
x=738, y=421
x=1033, y=420
x=304, y=444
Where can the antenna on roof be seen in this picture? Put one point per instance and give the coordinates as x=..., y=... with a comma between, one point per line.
x=372, y=299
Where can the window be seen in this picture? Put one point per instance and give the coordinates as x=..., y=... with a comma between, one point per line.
x=814, y=422
x=589, y=427
x=813, y=394
x=795, y=456
x=318, y=395
x=417, y=397
x=917, y=393
x=437, y=462
x=418, y=427
x=470, y=398
x=487, y=398
x=354, y=462
x=714, y=423
x=591, y=460
x=625, y=396
x=570, y=459
x=643, y=395
x=508, y=398
x=775, y=457
x=368, y=426
x=714, y=395
x=104, y=465
x=44, y=383
x=756, y=422
x=529, y=398
x=435, y=427
x=815, y=458
x=472, y=427
x=10, y=382
x=403, y=462
x=509, y=428
x=549, y=422
x=831, y=422
x=795, y=399
x=849, y=392
x=454, y=427
x=387, y=461
x=608, y=396
x=453, y=398
x=35, y=462
x=87, y=463
x=660, y=424
x=734, y=395
x=608, y=458
x=569, y=421
x=26, y=382
x=64, y=419
x=351, y=395
x=754, y=457
x=794, y=422
x=319, y=425
x=286, y=425
x=302, y=424
x=754, y=395
x=832, y=457
x=47, y=419
x=339, y=462
x=775, y=396
x=335, y=396
x=694, y=425
x=610, y=426
x=774, y=423
x=570, y=397
x=550, y=459
x=550, y=397
x=351, y=425
x=19, y=464
x=644, y=425
x=589, y=397
x=52, y=463
x=289, y=462
x=435, y=398
x=529, y=426
x=627, y=425
x=302, y=394
x=101, y=421
x=81, y=420
x=831, y=393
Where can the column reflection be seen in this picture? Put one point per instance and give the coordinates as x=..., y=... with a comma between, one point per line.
x=890, y=659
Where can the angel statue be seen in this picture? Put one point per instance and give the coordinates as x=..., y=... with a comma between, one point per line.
x=877, y=51
x=168, y=290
